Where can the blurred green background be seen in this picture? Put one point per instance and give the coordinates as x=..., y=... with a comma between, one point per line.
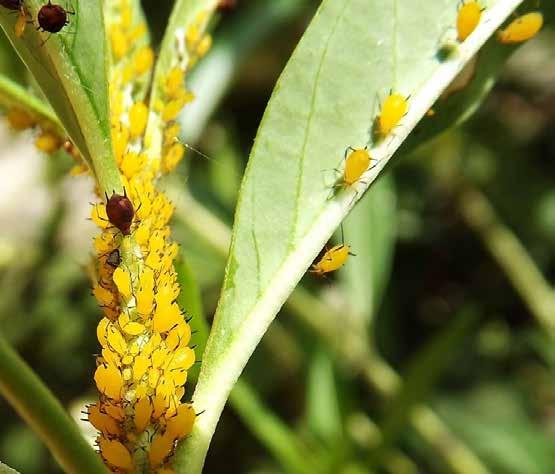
x=448, y=302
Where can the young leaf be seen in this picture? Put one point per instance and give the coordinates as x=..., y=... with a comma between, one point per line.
x=353, y=53
x=70, y=68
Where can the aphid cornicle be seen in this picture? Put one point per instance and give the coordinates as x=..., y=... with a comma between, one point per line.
x=332, y=260
x=467, y=19
x=522, y=29
x=393, y=109
x=120, y=212
x=53, y=17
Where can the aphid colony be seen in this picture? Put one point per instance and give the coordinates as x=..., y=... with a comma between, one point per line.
x=395, y=107
x=51, y=17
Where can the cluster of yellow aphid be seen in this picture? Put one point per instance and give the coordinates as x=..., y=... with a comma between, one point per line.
x=145, y=338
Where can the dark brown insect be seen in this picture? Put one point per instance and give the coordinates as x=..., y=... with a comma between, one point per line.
x=114, y=258
x=12, y=4
x=227, y=5
x=53, y=17
x=120, y=212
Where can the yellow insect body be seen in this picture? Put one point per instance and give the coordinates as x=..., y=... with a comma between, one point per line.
x=21, y=23
x=522, y=29
x=394, y=108
x=332, y=260
x=468, y=19
x=356, y=163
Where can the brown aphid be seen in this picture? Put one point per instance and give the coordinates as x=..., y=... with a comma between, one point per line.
x=12, y=4
x=114, y=258
x=53, y=17
x=227, y=5
x=120, y=212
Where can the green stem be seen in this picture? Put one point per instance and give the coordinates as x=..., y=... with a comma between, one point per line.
x=40, y=409
x=511, y=256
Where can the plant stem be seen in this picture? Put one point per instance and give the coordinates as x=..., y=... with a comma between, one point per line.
x=44, y=413
x=511, y=256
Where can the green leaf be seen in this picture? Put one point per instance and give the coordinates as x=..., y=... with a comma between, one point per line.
x=70, y=68
x=325, y=101
x=370, y=231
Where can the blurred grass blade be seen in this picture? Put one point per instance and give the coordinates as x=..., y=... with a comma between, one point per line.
x=275, y=435
x=70, y=68
x=324, y=102
x=421, y=377
x=323, y=411
x=370, y=231
x=43, y=412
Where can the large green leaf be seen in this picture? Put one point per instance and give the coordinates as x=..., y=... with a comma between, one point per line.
x=353, y=52
x=70, y=68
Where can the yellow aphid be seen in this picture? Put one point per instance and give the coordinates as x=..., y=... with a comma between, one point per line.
x=171, y=109
x=177, y=377
x=137, y=32
x=178, y=336
x=102, y=421
x=115, y=411
x=174, y=82
x=182, y=359
x=143, y=411
x=111, y=357
x=122, y=279
x=522, y=29
x=132, y=328
x=172, y=157
x=165, y=317
x=131, y=164
x=332, y=260
x=138, y=116
x=144, y=58
x=120, y=139
x=115, y=340
x=120, y=43
x=127, y=359
x=126, y=16
x=153, y=377
x=104, y=296
x=140, y=366
x=181, y=424
x=204, y=46
x=115, y=453
x=21, y=23
x=142, y=233
x=20, y=120
x=468, y=19
x=171, y=133
x=160, y=405
x=48, y=142
x=102, y=331
x=109, y=381
x=393, y=109
x=356, y=163
x=160, y=448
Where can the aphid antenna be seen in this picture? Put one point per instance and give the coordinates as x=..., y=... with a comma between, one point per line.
x=192, y=148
